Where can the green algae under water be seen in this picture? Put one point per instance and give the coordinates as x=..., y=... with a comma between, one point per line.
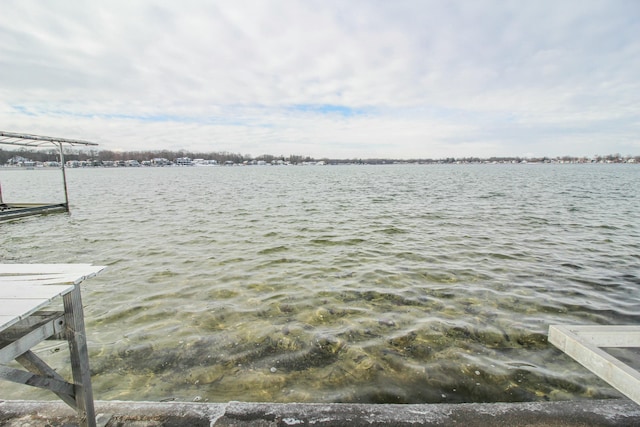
x=372, y=284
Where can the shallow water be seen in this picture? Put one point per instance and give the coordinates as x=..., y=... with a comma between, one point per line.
x=398, y=284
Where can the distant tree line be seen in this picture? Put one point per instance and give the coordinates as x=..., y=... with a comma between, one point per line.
x=52, y=154
x=44, y=155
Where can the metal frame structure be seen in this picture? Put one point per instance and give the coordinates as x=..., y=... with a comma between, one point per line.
x=16, y=210
x=585, y=344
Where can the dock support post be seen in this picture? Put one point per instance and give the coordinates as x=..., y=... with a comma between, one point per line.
x=76, y=336
x=64, y=178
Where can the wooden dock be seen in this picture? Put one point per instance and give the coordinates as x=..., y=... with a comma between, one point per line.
x=9, y=211
x=25, y=290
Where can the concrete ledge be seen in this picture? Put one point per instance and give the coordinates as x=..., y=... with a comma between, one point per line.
x=531, y=414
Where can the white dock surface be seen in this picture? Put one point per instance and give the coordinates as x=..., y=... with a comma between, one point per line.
x=26, y=288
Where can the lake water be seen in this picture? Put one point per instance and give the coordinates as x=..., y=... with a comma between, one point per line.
x=394, y=284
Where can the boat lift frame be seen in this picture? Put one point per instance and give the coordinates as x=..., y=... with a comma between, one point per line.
x=16, y=210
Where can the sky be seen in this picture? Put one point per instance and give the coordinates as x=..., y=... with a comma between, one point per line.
x=399, y=79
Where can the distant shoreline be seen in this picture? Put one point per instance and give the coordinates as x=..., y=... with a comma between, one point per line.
x=90, y=165
x=107, y=158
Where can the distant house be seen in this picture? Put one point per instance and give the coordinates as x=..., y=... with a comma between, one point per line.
x=203, y=162
x=160, y=161
x=183, y=161
x=19, y=161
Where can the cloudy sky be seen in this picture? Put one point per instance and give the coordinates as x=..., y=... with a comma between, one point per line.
x=327, y=78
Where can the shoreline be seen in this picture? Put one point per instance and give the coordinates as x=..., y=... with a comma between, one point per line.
x=610, y=413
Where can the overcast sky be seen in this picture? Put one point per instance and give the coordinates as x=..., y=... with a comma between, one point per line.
x=337, y=79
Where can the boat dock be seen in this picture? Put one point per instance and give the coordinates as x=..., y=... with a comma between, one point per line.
x=9, y=211
x=14, y=210
x=25, y=291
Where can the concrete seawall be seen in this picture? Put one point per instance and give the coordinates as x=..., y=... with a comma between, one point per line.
x=583, y=413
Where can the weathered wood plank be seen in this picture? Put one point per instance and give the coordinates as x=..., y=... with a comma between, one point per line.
x=77, y=339
x=37, y=279
x=34, y=380
x=6, y=321
x=23, y=291
x=618, y=374
x=19, y=307
x=48, y=273
x=20, y=210
x=34, y=319
x=45, y=268
x=608, y=335
x=69, y=279
x=44, y=279
x=36, y=365
x=19, y=345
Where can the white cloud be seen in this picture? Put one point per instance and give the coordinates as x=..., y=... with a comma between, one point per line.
x=426, y=78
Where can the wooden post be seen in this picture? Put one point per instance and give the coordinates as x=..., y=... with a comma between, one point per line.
x=64, y=178
x=76, y=336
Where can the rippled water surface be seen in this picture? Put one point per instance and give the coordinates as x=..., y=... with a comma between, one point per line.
x=339, y=283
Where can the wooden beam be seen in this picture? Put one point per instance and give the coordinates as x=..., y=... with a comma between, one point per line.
x=35, y=380
x=583, y=344
x=20, y=341
x=34, y=364
x=77, y=339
